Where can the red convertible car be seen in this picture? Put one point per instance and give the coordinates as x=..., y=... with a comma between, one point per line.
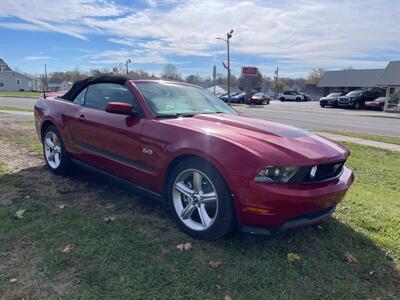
x=216, y=170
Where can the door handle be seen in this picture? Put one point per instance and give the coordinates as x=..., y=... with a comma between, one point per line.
x=81, y=117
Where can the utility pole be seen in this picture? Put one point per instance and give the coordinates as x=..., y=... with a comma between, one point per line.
x=45, y=77
x=276, y=83
x=228, y=37
x=214, y=76
x=128, y=61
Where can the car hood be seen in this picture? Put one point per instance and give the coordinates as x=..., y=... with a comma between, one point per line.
x=263, y=138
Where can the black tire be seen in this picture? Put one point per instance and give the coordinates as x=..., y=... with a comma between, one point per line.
x=224, y=222
x=322, y=105
x=298, y=99
x=282, y=99
x=357, y=105
x=65, y=164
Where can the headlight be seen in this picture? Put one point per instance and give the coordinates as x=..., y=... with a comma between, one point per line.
x=276, y=174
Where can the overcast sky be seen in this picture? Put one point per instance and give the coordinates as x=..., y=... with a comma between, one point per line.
x=294, y=35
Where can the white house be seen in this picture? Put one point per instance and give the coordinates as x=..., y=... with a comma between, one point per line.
x=13, y=81
x=59, y=85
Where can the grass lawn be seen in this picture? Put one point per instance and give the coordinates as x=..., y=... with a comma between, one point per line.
x=14, y=108
x=20, y=94
x=378, y=138
x=135, y=256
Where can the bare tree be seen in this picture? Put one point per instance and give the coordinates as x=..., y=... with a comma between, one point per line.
x=171, y=72
x=315, y=75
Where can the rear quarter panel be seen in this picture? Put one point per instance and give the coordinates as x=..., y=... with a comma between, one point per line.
x=57, y=112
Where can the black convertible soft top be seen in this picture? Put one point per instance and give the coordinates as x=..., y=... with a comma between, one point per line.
x=80, y=85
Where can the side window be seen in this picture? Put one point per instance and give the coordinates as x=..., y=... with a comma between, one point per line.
x=98, y=95
x=80, y=99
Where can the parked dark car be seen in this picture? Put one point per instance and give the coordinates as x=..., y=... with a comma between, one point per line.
x=259, y=98
x=238, y=98
x=224, y=97
x=330, y=100
x=378, y=103
x=356, y=99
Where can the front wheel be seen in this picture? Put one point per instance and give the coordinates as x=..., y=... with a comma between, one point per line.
x=200, y=201
x=357, y=105
x=54, y=151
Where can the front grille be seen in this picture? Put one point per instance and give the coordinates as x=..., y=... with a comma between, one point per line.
x=322, y=173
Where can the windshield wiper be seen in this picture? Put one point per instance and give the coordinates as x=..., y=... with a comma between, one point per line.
x=176, y=115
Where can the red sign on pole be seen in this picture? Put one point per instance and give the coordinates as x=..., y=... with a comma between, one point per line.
x=249, y=71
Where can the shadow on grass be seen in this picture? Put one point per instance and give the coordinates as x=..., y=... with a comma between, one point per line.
x=136, y=256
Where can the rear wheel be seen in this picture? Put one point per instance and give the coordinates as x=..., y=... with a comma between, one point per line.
x=54, y=151
x=357, y=105
x=200, y=201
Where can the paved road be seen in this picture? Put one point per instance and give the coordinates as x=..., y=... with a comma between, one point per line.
x=18, y=102
x=308, y=115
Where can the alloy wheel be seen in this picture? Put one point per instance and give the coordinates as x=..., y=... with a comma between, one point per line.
x=195, y=199
x=52, y=149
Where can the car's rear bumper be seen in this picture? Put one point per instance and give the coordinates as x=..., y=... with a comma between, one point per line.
x=276, y=207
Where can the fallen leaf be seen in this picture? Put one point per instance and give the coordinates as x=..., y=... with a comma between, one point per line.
x=227, y=297
x=186, y=246
x=292, y=257
x=218, y=286
x=67, y=249
x=61, y=206
x=350, y=258
x=27, y=197
x=109, y=219
x=397, y=268
x=320, y=227
x=12, y=280
x=215, y=264
x=20, y=214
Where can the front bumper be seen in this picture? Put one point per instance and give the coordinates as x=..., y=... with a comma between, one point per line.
x=329, y=102
x=345, y=102
x=285, y=206
x=299, y=221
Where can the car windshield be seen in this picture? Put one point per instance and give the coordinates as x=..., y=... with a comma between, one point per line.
x=333, y=95
x=354, y=93
x=168, y=99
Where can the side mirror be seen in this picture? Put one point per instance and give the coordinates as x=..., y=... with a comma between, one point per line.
x=121, y=108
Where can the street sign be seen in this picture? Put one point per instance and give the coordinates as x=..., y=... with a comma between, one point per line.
x=249, y=71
